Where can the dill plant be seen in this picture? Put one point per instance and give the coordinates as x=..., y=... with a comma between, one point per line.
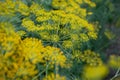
x=48, y=38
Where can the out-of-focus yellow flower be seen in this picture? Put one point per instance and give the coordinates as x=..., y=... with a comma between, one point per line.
x=114, y=61
x=95, y=72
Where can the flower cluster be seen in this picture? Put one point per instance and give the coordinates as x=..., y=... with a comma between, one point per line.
x=89, y=57
x=73, y=6
x=18, y=58
x=61, y=26
x=64, y=24
x=43, y=41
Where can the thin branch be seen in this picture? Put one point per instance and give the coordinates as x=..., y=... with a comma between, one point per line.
x=116, y=74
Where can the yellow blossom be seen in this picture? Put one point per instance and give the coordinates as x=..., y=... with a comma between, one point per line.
x=23, y=8
x=92, y=35
x=31, y=49
x=55, y=38
x=84, y=37
x=55, y=56
x=89, y=57
x=53, y=76
x=29, y=24
x=95, y=72
x=67, y=44
x=114, y=61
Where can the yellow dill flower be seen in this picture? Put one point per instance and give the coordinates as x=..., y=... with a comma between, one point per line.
x=45, y=35
x=114, y=61
x=23, y=55
x=71, y=6
x=11, y=4
x=42, y=18
x=48, y=26
x=21, y=33
x=23, y=8
x=89, y=27
x=95, y=72
x=73, y=3
x=64, y=31
x=92, y=35
x=42, y=15
x=8, y=39
x=54, y=38
x=89, y=57
x=16, y=67
x=57, y=21
x=40, y=28
x=84, y=37
x=74, y=8
x=42, y=12
x=7, y=7
x=26, y=69
x=31, y=49
x=18, y=58
x=11, y=60
x=67, y=44
x=92, y=58
x=89, y=2
x=74, y=37
x=34, y=7
x=79, y=1
x=7, y=28
x=55, y=56
x=53, y=76
x=29, y=24
x=59, y=3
